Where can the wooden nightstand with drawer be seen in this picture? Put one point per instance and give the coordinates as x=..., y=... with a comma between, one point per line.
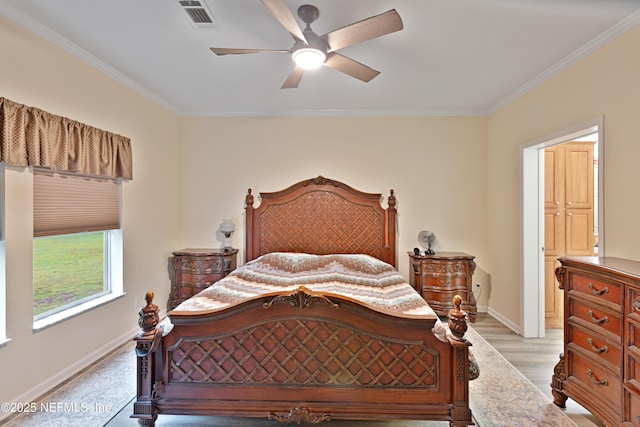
x=440, y=276
x=197, y=269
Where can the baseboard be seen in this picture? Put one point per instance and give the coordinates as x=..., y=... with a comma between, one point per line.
x=506, y=322
x=35, y=393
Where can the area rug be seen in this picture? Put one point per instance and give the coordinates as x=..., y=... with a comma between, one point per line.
x=102, y=396
x=503, y=397
x=90, y=398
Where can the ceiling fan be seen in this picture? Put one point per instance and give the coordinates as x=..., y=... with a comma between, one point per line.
x=311, y=51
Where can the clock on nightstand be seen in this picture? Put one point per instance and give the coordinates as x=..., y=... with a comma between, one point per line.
x=440, y=276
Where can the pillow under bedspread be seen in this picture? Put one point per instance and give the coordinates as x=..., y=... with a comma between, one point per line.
x=361, y=277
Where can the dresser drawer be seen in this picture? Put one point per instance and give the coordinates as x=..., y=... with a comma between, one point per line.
x=187, y=291
x=444, y=297
x=602, y=384
x=200, y=265
x=199, y=280
x=598, y=289
x=607, y=352
x=437, y=268
x=596, y=318
x=446, y=282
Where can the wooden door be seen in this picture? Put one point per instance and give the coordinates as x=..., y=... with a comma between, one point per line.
x=568, y=217
x=554, y=241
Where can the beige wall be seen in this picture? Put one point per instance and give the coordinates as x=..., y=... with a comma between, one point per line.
x=435, y=165
x=606, y=83
x=36, y=73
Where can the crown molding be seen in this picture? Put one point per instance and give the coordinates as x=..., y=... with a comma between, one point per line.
x=40, y=30
x=603, y=39
x=341, y=113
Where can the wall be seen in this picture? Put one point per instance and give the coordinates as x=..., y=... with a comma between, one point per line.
x=39, y=74
x=607, y=84
x=435, y=165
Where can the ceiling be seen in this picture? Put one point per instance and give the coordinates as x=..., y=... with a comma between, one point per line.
x=453, y=57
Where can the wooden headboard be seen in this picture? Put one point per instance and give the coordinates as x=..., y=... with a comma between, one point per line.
x=321, y=216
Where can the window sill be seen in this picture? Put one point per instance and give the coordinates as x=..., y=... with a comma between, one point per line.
x=4, y=342
x=48, y=321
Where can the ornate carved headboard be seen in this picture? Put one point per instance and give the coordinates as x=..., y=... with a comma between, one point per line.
x=321, y=216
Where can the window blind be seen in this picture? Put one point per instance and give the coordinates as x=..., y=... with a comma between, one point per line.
x=65, y=203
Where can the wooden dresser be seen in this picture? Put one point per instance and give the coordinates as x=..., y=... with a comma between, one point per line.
x=440, y=276
x=600, y=366
x=197, y=269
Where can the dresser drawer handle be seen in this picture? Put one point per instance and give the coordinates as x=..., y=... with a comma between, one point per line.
x=605, y=319
x=602, y=349
x=595, y=291
x=636, y=304
x=595, y=381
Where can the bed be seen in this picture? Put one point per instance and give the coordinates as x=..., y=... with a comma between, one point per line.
x=317, y=325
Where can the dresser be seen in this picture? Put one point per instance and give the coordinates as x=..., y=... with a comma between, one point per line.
x=600, y=366
x=197, y=269
x=440, y=276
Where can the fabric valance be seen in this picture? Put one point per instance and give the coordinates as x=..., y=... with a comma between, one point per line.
x=33, y=137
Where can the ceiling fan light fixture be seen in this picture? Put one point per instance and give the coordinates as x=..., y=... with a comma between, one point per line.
x=308, y=57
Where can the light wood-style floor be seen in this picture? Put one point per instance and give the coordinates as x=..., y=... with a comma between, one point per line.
x=534, y=357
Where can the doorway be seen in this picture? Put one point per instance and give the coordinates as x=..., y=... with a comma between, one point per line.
x=533, y=217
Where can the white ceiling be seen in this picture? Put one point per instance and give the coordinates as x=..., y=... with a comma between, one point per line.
x=453, y=57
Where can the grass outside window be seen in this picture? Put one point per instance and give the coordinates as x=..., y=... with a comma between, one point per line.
x=67, y=270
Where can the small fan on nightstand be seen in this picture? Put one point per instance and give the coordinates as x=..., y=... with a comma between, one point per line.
x=426, y=239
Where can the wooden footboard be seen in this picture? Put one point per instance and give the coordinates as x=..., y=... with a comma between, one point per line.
x=302, y=357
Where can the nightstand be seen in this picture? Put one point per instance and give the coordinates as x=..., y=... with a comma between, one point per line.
x=197, y=269
x=440, y=276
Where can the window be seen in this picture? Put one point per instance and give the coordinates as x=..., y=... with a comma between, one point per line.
x=77, y=245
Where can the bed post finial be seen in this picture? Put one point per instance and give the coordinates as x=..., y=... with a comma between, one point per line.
x=248, y=227
x=249, y=199
x=457, y=320
x=148, y=317
x=392, y=199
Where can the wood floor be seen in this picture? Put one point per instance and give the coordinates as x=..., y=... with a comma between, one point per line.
x=534, y=357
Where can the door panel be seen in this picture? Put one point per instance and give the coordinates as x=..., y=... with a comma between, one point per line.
x=579, y=176
x=568, y=216
x=579, y=236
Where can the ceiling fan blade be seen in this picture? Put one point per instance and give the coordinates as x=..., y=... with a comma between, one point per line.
x=370, y=28
x=282, y=13
x=350, y=67
x=294, y=78
x=232, y=51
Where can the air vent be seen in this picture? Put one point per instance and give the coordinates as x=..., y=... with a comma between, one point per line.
x=198, y=14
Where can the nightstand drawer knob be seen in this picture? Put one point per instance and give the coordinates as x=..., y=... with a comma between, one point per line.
x=600, y=321
x=597, y=292
x=602, y=349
